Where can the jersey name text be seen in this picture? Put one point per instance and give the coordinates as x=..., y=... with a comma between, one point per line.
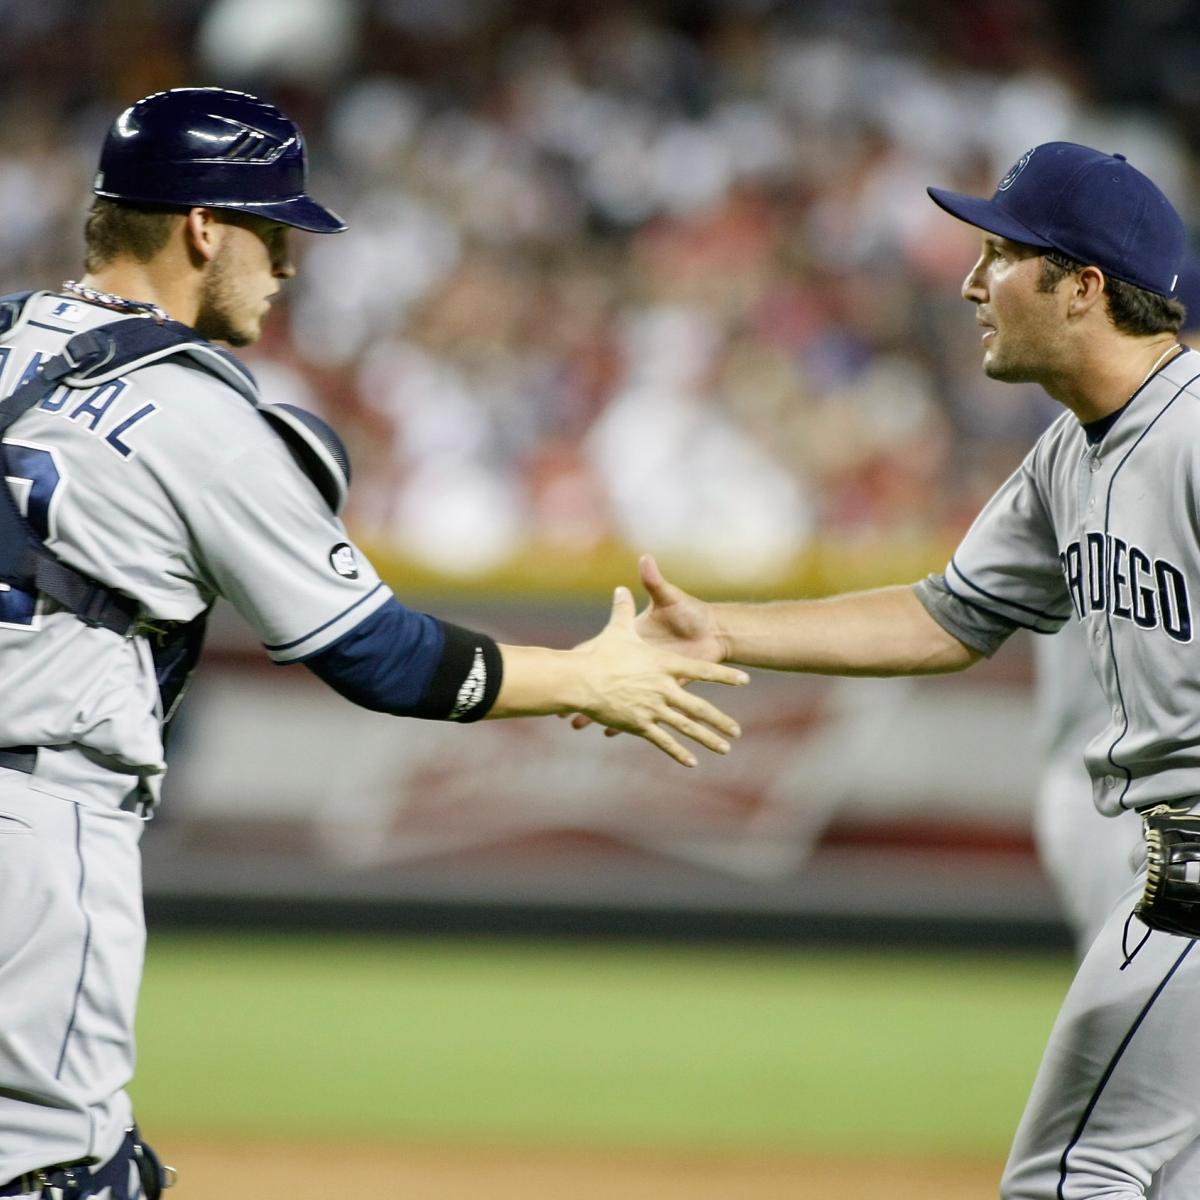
x=1106, y=574
x=88, y=409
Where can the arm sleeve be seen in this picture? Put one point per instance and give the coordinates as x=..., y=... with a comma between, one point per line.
x=412, y=665
x=1006, y=573
x=268, y=543
x=983, y=631
x=271, y=546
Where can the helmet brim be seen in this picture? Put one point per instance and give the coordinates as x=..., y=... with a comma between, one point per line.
x=988, y=216
x=301, y=212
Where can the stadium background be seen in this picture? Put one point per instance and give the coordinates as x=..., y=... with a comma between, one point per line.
x=655, y=276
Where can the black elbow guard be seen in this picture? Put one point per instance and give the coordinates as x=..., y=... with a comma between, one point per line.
x=411, y=664
x=466, y=682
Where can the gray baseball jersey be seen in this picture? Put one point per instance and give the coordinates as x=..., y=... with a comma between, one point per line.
x=1106, y=533
x=171, y=488
x=1101, y=526
x=1089, y=858
x=167, y=485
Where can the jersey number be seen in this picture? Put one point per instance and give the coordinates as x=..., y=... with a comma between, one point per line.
x=34, y=479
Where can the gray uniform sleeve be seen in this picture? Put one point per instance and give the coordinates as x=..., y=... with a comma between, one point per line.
x=269, y=544
x=1006, y=572
x=984, y=632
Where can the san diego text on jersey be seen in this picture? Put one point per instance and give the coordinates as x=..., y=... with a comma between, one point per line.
x=1106, y=574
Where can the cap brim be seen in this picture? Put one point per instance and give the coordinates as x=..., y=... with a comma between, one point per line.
x=986, y=215
x=301, y=212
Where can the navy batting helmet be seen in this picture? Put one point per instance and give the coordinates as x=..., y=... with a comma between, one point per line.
x=213, y=148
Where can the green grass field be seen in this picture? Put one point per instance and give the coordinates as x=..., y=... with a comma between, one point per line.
x=592, y=1044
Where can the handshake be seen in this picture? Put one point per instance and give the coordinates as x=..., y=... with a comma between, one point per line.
x=632, y=676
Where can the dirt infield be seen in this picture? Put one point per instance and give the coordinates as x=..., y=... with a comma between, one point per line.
x=281, y=1170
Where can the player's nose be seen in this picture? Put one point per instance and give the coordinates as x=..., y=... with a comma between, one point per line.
x=973, y=288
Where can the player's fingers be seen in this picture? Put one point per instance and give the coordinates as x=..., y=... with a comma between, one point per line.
x=700, y=709
x=623, y=609
x=655, y=583
x=659, y=737
x=682, y=723
x=649, y=573
x=579, y=721
x=697, y=670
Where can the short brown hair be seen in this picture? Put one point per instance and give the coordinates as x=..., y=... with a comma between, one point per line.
x=118, y=227
x=1132, y=309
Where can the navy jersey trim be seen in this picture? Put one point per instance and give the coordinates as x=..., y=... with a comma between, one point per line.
x=1094, y=431
x=983, y=608
x=1063, y=1168
x=1033, y=612
x=87, y=943
x=1108, y=616
x=326, y=625
x=52, y=328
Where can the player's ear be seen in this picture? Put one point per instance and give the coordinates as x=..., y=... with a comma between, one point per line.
x=1087, y=290
x=201, y=232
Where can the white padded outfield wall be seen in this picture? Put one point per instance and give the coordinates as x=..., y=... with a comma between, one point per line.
x=873, y=797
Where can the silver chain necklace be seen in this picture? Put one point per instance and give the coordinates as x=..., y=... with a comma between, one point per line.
x=108, y=300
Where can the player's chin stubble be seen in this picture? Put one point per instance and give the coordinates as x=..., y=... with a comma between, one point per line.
x=220, y=300
x=1006, y=369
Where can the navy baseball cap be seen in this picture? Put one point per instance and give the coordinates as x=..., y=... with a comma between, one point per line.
x=1092, y=207
x=1188, y=291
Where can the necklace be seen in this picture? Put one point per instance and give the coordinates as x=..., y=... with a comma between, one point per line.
x=108, y=300
x=1159, y=359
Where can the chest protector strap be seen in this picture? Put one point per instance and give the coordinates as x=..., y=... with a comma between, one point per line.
x=94, y=357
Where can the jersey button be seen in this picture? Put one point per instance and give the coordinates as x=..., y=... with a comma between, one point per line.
x=1110, y=781
x=1094, y=465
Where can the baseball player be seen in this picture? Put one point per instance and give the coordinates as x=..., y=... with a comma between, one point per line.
x=1089, y=858
x=145, y=479
x=1072, y=290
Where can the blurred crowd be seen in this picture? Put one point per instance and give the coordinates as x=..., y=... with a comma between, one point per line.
x=663, y=276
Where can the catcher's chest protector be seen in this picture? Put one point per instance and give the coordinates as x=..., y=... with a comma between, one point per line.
x=95, y=357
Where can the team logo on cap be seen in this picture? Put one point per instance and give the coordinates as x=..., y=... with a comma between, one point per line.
x=244, y=143
x=342, y=560
x=1014, y=171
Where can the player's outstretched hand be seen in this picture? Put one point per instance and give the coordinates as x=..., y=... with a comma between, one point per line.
x=637, y=687
x=676, y=619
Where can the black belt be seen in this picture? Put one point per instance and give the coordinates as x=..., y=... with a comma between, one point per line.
x=19, y=758
x=75, y=1179
x=35, y=1183
x=24, y=759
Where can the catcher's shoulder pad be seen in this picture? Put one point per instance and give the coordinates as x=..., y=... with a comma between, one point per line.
x=96, y=356
x=15, y=312
x=109, y=351
x=316, y=447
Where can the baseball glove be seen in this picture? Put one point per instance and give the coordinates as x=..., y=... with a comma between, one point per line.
x=1171, y=898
